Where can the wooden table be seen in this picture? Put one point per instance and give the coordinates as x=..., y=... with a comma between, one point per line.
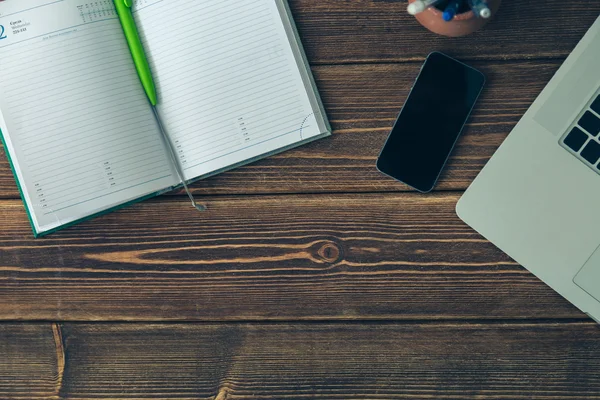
x=311, y=275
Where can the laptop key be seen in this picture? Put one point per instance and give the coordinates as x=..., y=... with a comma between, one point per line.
x=576, y=139
x=596, y=105
x=591, y=152
x=590, y=123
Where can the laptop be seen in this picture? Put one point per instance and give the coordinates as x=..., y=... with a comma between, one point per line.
x=538, y=198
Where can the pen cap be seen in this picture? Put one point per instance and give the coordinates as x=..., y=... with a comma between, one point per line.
x=462, y=24
x=415, y=8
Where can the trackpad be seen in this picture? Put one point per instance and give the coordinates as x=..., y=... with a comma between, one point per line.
x=589, y=277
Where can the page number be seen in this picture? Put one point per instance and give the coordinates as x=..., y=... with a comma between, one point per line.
x=2, y=35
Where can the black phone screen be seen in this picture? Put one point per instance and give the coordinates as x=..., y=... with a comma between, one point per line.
x=430, y=121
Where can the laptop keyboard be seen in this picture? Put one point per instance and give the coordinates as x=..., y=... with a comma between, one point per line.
x=583, y=139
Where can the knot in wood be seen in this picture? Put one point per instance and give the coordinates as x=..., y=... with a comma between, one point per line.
x=329, y=252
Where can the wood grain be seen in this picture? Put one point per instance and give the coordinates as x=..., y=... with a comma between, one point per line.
x=311, y=257
x=373, y=294
x=360, y=31
x=298, y=361
x=363, y=102
x=29, y=363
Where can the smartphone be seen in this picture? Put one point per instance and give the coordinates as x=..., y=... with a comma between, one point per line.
x=430, y=122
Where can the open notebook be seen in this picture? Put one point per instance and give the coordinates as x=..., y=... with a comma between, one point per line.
x=233, y=86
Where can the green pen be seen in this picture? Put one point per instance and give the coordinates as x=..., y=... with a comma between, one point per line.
x=143, y=69
x=137, y=49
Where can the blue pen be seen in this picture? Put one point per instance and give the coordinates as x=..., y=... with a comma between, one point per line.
x=480, y=8
x=451, y=10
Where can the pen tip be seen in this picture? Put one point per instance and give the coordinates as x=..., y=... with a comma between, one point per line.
x=485, y=13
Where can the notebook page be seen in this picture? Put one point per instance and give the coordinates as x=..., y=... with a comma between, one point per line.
x=76, y=121
x=229, y=86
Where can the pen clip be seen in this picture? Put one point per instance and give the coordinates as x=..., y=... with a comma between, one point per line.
x=128, y=3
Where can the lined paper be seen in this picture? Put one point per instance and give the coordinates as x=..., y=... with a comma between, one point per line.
x=77, y=122
x=228, y=83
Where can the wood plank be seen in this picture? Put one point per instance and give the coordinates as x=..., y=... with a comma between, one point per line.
x=31, y=362
x=296, y=361
x=362, y=102
x=353, y=31
x=332, y=361
x=311, y=257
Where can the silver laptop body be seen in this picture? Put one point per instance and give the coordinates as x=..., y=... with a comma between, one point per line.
x=538, y=198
